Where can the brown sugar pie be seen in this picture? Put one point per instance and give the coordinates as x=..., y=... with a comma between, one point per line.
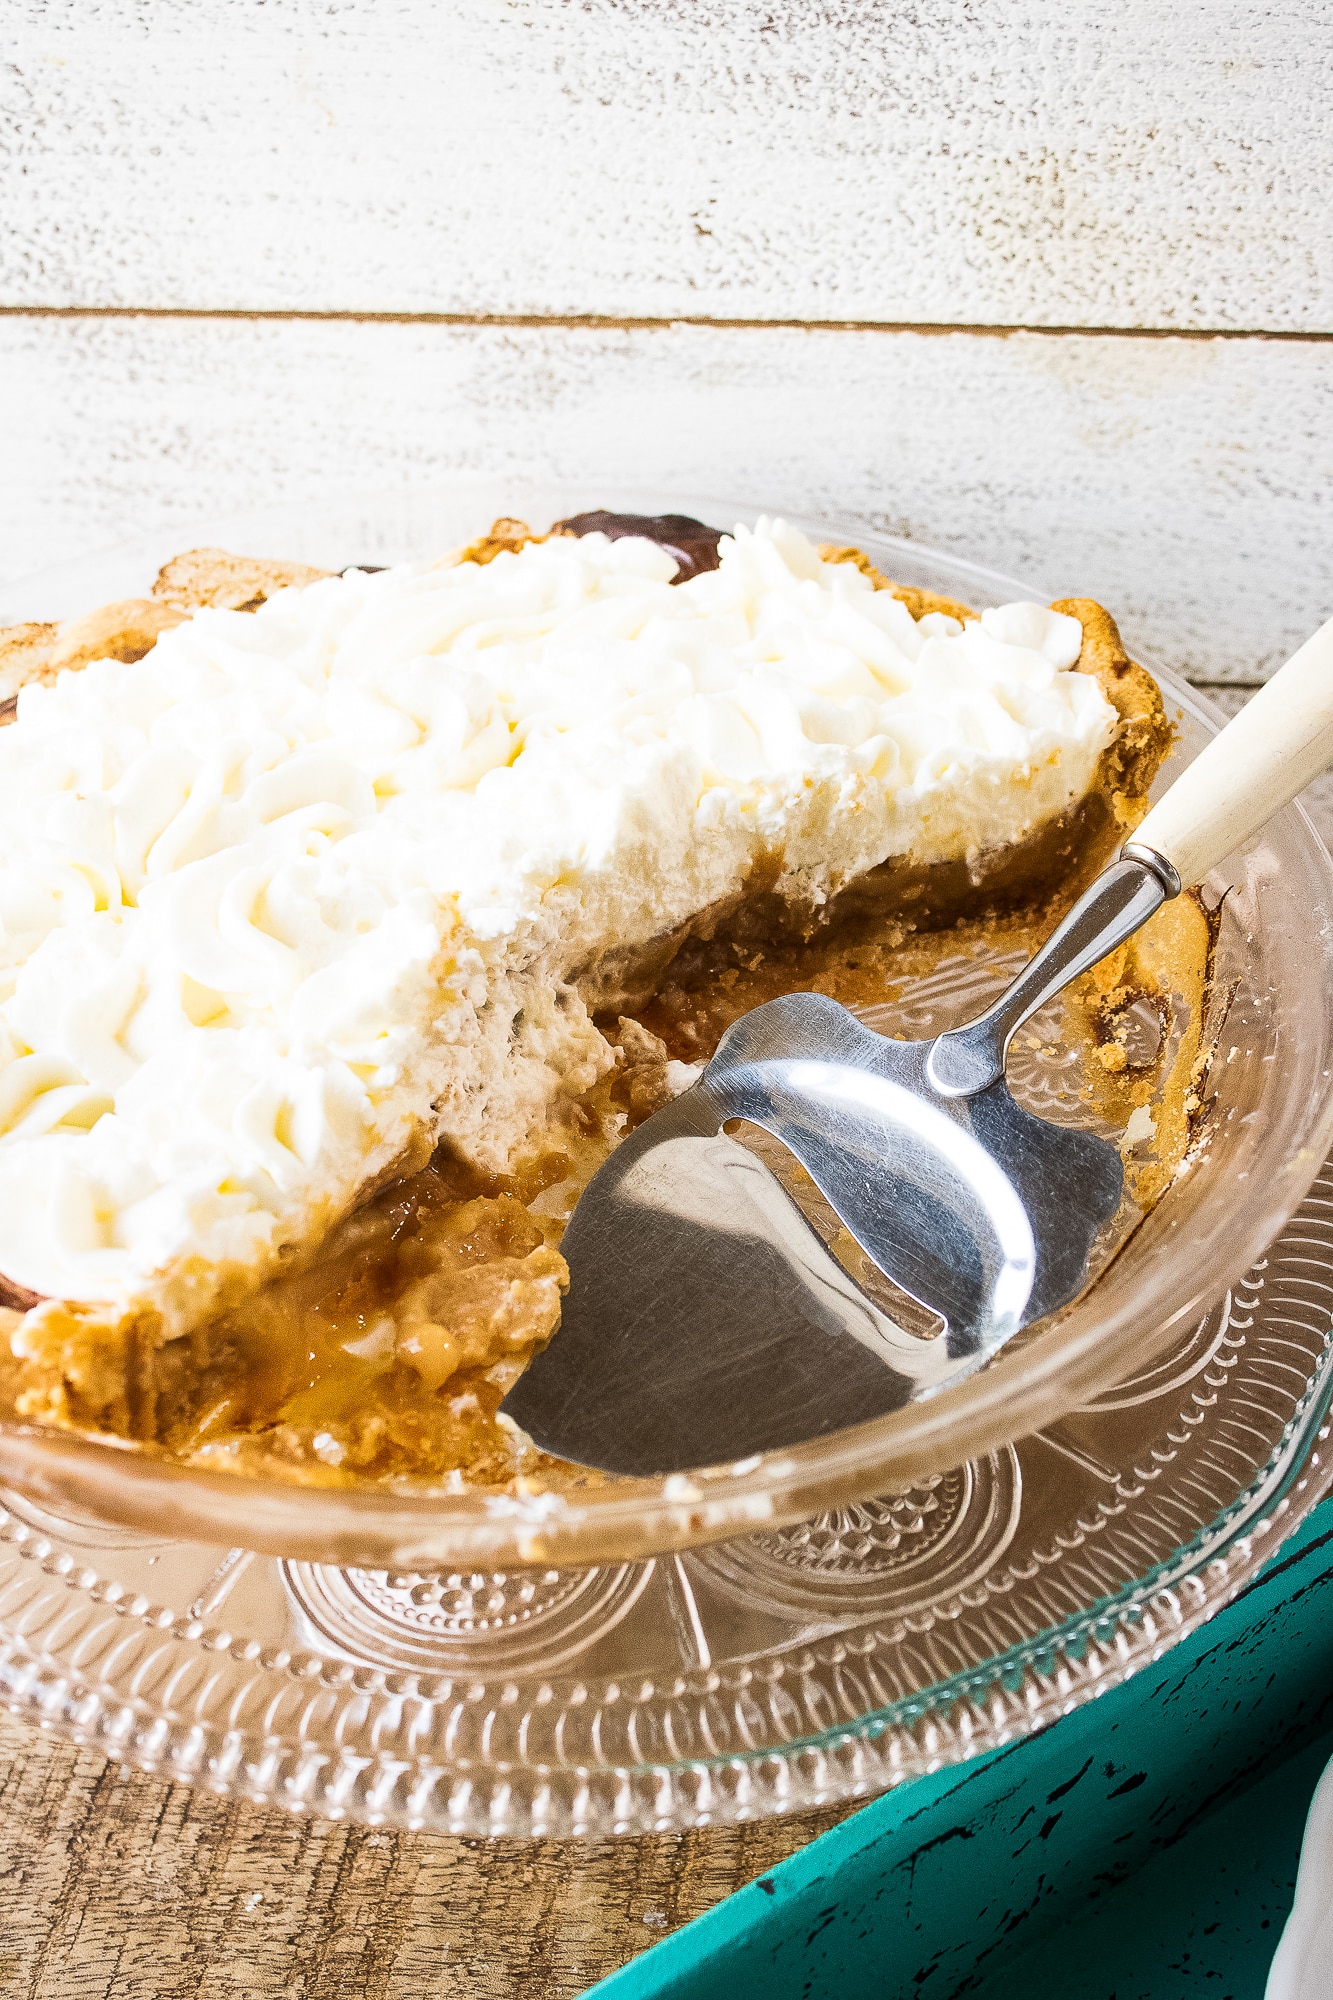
x=347, y=921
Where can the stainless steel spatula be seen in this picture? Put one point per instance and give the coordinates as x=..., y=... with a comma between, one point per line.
x=706, y=1319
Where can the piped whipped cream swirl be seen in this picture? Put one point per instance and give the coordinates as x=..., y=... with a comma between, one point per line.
x=306, y=887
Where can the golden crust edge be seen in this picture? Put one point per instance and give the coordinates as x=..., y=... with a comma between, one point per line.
x=35, y=653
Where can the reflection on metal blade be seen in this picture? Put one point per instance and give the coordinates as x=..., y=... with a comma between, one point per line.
x=706, y=1319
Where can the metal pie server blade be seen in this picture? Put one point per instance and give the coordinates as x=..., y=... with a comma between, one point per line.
x=706, y=1320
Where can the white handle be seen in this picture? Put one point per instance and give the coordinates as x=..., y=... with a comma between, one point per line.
x=1281, y=739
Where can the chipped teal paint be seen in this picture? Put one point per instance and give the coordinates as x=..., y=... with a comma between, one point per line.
x=1201, y=1916
x=1144, y=1848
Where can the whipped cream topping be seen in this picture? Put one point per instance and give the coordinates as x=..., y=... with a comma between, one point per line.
x=307, y=887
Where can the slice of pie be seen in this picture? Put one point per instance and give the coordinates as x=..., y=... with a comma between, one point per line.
x=305, y=878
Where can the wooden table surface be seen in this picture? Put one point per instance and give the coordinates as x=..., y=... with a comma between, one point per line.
x=117, y=1886
x=1046, y=284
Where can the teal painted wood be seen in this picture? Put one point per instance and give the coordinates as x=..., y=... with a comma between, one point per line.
x=1043, y=1867
x=1201, y=1917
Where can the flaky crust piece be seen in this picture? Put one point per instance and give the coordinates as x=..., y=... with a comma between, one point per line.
x=198, y=579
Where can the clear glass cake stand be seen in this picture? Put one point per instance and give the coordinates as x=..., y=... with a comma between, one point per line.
x=805, y=1632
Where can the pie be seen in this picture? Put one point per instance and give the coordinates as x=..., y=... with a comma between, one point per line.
x=347, y=920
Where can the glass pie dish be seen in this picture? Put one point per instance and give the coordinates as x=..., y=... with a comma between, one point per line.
x=1268, y=1130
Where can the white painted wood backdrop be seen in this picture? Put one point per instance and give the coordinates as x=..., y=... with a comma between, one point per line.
x=258, y=249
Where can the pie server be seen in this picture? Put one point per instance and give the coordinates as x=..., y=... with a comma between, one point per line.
x=706, y=1320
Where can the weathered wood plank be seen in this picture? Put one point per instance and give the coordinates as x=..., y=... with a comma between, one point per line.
x=1184, y=482
x=121, y=1887
x=1031, y=161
